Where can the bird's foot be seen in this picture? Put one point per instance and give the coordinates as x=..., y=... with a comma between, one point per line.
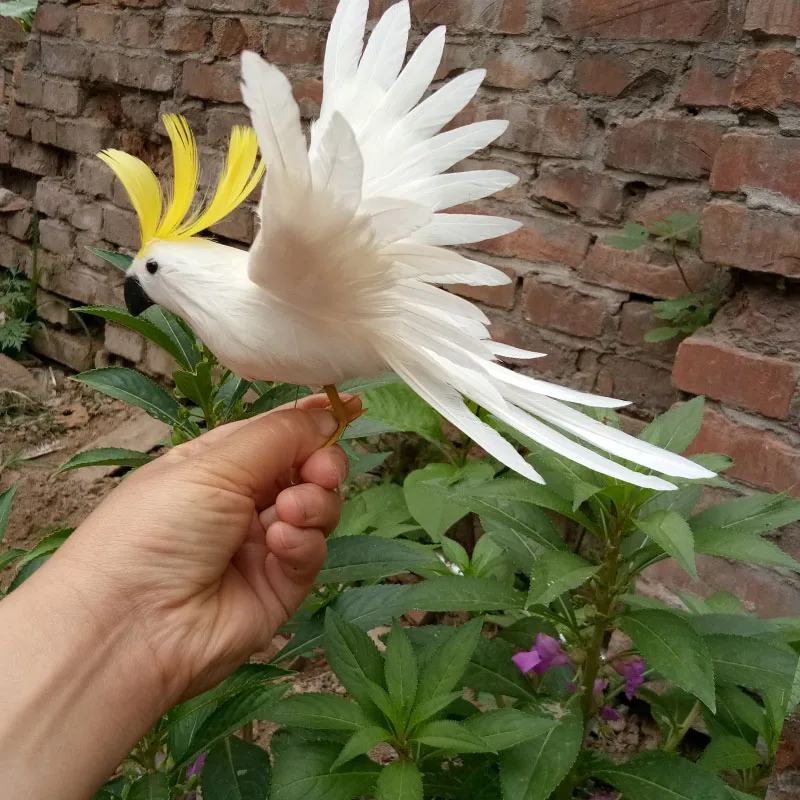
x=344, y=415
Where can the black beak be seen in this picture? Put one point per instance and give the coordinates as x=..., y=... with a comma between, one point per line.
x=135, y=297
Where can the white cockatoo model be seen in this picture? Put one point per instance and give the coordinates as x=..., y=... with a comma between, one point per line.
x=343, y=279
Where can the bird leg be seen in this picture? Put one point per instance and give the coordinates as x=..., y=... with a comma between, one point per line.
x=340, y=411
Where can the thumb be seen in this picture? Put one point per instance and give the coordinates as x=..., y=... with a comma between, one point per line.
x=258, y=459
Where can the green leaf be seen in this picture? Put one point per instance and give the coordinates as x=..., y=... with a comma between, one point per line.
x=491, y=670
x=106, y=456
x=532, y=770
x=455, y=553
x=447, y=661
x=319, y=711
x=361, y=385
x=398, y=406
x=362, y=741
x=46, y=546
x=134, y=388
x=662, y=776
x=749, y=547
x=677, y=428
x=400, y=780
x=361, y=463
x=672, y=534
x=6, y=498
x=178, y=331
x=426, y=709
x=556, y=572
x=364, y=427
x=118, y=260
x=758, y=513
x=231, y=392
x=279, y=394
x=236, y=770
x=682, y=501
x=635, y=236
x=507, y=727
x=377, y=507
x=27, y=570
x=452, y=593
x=369, y=606
x=523, y=633
x=400, y=671
x=449, y=735
x=302, y=773
x=737, y=624
x=655, y=335
x=368, y=558
x=353, y=657
x=9, y=557
x=752, y=663
x=740, y=714
x=729, y=752
x=140, y=325
x=581, y=492
x=153, y=786
x=670, y=644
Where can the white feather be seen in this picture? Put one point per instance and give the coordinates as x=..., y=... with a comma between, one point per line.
x=507, y=351
x=454, y=229
x=437, y=265
x=441, y=192
x=345, y=43
x=338, y=166
x=386, y=49
x=392, y=220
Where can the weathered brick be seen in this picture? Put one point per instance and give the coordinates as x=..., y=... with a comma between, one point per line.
x=158, y=361
x=44, y=129
x=735, y=376
x=554, y=130
x=762, y=241
x=140, y=72
x=678, y=148
x=220, y=121
x=238, y=225
x=84, y=135
x=603, y=74
x=767, y=79
x=141, y=110
x=93, y=177
x=543, y=239
x=643, y=272
x=123, y=342
x=67, y=59
x=658, y=205
x=137, y=30
x=563, y=308
x=53, y=198
x=231, y=36
x=212, y=81
x=56, y=236
x=97, y=24
x=63, y=98
x=760, y=457
x=294, y=45
x=499, y=296
x=14, y=253
x=18, y=225
x=647, y=386
x=594, y=196
x=28, y=90
x=88, y=216
x=121, y=227
x=53, y=309
x=710, y=82
x=185, y=33
x=636, y=319
x=290, y=7
x=777, y=17
x=75, y=350
x=308, y=93
x=32, y=157
x=55, y=19
x=515, y=67
x=508, y=16
x=700, y=20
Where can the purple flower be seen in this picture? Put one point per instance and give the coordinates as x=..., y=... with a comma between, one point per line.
x=159, y=759
x=609, y=714
x=544, y=654
x=633, y=672
x=572, y=688
x=197, y=766
x=600, y=685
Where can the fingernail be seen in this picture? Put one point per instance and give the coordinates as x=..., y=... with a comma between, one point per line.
x=325, y=422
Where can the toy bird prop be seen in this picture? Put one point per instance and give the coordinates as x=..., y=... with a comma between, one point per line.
x=344, y=277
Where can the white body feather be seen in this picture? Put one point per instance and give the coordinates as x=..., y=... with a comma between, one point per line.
x=340, y=282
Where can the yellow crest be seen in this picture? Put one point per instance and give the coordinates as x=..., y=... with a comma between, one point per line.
x=238, y=178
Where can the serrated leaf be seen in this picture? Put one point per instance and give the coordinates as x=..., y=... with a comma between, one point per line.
x=491, y=670
x=744, y=547
x=682, y=501
x=178, y=331
x=662, y=776
x=27, y=570
x=672, y=534
x=531, y=771
x=46, y=546
x=301, y=773
x=724, y=603
x=670, y=645
x=319, y=711
x=364, y=428
x=362, y=741
x=453, y=593
x=9, y=557
x=727, y=753
x=507, y=727
x=361, y=463
x=655, y=335
x=554, y=573
x=369, y=558
x=752, y=663
x=377, y=507
x=361, y=385
x=737, y=624
x=6, y=499
x=152, y=786
x=106, y=456
x=369, y=606
x=449, y=735
x=400, y=407
x=581, y=492
x=236, y=770
x=134, y=388
x=676, y=429
x=400, y=780
x=426, y=709
x=400, y=672
x=740, y=714
x=757, y=513
x=119, y=260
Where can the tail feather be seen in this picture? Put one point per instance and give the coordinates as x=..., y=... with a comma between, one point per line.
x=386, y=50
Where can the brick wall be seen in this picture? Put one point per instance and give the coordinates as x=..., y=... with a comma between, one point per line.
x=618, y=112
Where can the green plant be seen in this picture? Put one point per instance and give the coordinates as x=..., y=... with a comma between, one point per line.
x=690, y=312
x=22, y=11
x=18, y=300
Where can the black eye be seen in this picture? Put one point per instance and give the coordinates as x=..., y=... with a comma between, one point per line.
x=152, y=266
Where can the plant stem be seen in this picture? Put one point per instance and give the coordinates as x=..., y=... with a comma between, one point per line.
x=676, y=737
x=680, y=266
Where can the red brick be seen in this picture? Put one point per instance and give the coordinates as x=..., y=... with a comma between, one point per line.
x=637, y=272
x=58, y=20
x=658, y=205
x=54, y=199
x=83, y=135
x=68, y=59
x=290, y=7
x=28, y=90
x=231, y=36
x=543, y=239
x=603, y=75
x=57, y=237
x=759, y=457
x=647, y=386
x=18, y=224
x=682, y=20
x=594, y=196
x=778, y=17
x=308, y=94
x=294, y=45
x=93, y=177
x=32, y=157
x=75, y=350
x=238, y=225
x=137, y=30
x=185, y=33
x=511, y=68
x=678, y=148
x=96, y=24
x=554, y=130
x=710, y=83
x=14, y=253
x=19, y=122
x=636, y=319
x=143, y=3
x=121, y=227
x=735, y=376
x=767, y=79
x=499, y=296
x=762, y=241
x=563, y=308
x=212, y=81
x=65, y=99
x=140, y=72
x=507, y=16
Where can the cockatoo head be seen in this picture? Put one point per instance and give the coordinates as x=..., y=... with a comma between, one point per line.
x=171, y=252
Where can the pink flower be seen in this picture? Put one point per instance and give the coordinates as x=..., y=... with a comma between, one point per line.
x=546, y=653
x=633, y=672
x=197, y=766
x=600, y=685
x=609, y=714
